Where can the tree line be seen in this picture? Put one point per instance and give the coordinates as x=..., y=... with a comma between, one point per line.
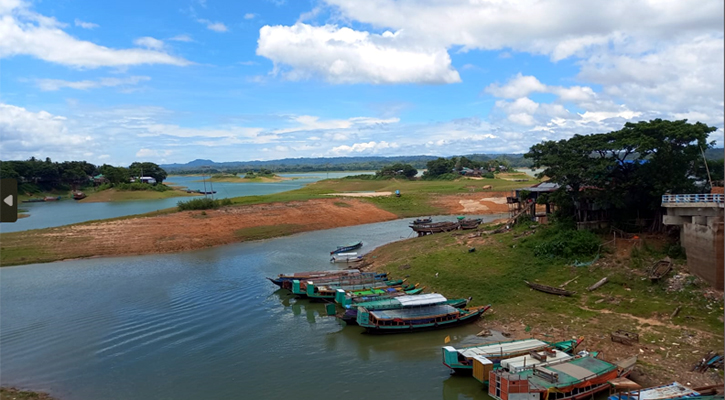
x=49, y=175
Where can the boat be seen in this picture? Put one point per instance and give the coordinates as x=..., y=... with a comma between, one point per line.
x=670, y=391
x=328, y=291
x=469, y=223
x=299, y=287
x=282, y=279
x=659, y=269
x=419, y=221
x=78, y=195
x=346, y=258
x=347, y=247
x=51, y=198
x=350, y=298
x=416, y=319
x=460, y=360
x=577, y=378
x=391, y=303
x=549, y=289
x=435, y=227
x=36, y=200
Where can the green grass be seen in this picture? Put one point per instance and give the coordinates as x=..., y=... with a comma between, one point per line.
x=268, y=231
x=495, y=272
x=17, y=394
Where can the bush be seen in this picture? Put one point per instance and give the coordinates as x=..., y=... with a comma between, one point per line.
x=443, y=177
x=141, y=186
x=205, y=203
x=565, y=243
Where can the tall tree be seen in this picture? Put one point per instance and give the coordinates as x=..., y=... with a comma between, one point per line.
x=139, y=169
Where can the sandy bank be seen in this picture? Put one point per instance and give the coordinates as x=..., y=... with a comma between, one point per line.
x=356, y=194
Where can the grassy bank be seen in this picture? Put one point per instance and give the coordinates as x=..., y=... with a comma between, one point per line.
x=495, y=272
x=17, y=394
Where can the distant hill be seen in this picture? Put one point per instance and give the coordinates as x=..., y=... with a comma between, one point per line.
x=716, y=153
x=327, y=163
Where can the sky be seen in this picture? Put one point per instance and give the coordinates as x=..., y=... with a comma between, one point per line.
x=113, y=82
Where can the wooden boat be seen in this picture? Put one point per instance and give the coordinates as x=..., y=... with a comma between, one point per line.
x=51, y=198
x=299, y=287
x=328, y=291
x=347, y=247
x=33, y=201
x=392, y=303
x=416, y=319
x=659, y=269
x=469, y=223
x=435, y=227
x=419, y=221
x=77, y=195
x=460, y=360
x=549, y=289
x=578, y=378
x=350, y=298
x=346, y=258
x=282, y=278
x=670, y=391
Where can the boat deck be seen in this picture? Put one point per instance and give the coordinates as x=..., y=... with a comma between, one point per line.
x=406, y=313
x=669, y=391
x=569, y=372
x=503, y=348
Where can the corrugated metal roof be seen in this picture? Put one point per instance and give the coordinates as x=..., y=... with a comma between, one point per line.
x=421, y=299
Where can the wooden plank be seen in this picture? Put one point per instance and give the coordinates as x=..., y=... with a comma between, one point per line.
x=598, y=284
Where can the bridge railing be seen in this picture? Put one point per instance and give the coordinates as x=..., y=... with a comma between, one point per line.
x=693, y=198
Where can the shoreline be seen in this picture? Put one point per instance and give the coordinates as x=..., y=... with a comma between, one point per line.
x=175, y=231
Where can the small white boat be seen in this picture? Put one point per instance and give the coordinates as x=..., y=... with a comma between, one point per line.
x=346, y=258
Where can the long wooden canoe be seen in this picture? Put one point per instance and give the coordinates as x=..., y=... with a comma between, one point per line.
x=659, y=269
x=549, y=289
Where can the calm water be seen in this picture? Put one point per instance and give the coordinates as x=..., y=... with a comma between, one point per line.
x=206, y=324
x=67, y=211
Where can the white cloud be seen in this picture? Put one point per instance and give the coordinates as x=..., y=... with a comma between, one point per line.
x=214, y=26
x=149, y=43
x=366, y=148
x=249, y=16
x=181, y=38
x=146, y=153
x=248, y=63
x=558, y=28
x=57, y=84
x=25, y=133
x=23, y=32
x=518, y=86
x=85, y=25
x=343, y=55
x=313, y=123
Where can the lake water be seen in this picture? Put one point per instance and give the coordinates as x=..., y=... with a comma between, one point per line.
x=208, y=325
x=67, y=211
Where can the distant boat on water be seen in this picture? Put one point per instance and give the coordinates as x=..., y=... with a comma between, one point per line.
x=347, y=247
x=78, y=195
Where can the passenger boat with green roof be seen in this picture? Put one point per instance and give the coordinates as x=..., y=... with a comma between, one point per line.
x=392, y=303
x=416, y=319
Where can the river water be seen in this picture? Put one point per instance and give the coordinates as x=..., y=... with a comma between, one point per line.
x=208, y=325
x=68, y=211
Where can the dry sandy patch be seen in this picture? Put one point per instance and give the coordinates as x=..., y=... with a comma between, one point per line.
x=353, y=194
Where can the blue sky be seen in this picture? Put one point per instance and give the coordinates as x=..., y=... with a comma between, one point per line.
x=171, y=81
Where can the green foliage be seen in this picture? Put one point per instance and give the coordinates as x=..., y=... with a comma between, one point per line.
x=139, y=169
x=205, y=203
x=676, y=251
x=563, y=243
x=438, y=167
x=627, y=170
x=141, y=186
x=398, y=170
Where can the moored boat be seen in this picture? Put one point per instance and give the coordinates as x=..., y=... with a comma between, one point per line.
x=299, y=287
x=670, y=391
x=51, y=198
x=416, y=319
x=328, y=291
x=346, y=248
x=460, y=359
x=419, y=221
x=78, y=195
x=469, y=223
x=346, y=258
x=391, y=303
x=435, y=227
x=578, y=378
x=282, y=278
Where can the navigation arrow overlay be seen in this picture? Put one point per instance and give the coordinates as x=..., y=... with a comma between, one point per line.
x=9, y=205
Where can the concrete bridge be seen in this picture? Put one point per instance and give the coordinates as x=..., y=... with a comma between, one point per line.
x=700, y=217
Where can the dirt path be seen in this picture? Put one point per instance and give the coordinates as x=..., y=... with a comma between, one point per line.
x=474, y=203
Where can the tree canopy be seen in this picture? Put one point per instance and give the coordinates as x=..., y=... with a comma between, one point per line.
x=629, y=169
x=398, y=169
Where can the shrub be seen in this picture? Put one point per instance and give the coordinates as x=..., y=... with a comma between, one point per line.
x=205, y=203
x=565, y=243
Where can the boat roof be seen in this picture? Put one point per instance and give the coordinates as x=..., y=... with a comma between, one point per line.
x=414, y=312
x=421, y=299
x=494, y=349
x=518, y=363
x=570, y=372
x=669, y=391
x=346, y=254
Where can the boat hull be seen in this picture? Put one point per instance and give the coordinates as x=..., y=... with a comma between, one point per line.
x=422, y=323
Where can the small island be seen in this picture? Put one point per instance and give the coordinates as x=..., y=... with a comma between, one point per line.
x=263, y=175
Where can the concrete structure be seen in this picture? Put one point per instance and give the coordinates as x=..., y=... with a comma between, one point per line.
x=700, y=217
